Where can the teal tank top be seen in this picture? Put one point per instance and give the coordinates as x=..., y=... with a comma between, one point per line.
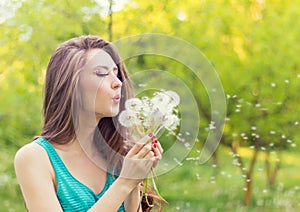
x=72, y=194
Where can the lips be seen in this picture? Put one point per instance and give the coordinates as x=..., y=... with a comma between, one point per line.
x=117, y=98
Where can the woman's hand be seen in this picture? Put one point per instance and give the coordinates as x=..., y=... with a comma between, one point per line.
x=139, y=161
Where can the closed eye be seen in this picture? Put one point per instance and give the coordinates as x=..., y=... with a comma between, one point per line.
x=101, y=74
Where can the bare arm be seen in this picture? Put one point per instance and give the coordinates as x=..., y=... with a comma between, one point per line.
x=33, y=172
x=133, y=201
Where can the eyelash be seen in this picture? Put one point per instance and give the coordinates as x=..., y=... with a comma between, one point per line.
x=101, y=75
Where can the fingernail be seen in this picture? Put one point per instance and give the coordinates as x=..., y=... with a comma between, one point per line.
x=154, y=145
x=155, y=141
x=150, y=135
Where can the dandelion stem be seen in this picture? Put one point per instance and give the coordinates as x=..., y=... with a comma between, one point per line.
x=157, y=131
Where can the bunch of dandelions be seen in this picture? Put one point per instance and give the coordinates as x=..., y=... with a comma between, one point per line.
x=150, y=115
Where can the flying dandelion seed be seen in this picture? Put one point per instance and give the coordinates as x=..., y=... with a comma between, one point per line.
x=198, y=176
x=212, y=126
x=142, y=85
x=287, y=81
x=293, y=145
x=178, y=162
x=272, y=132
x=273, y=85
x=296, y=123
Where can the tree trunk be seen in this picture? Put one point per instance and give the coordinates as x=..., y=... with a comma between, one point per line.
x=271, y=175
x=248, y=191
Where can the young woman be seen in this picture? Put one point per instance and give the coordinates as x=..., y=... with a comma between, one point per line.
x=81, y=162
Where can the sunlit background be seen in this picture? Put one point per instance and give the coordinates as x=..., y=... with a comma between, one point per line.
x=254, y=47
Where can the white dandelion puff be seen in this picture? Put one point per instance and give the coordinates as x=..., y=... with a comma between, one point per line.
x=133, y=104
x=128, y=119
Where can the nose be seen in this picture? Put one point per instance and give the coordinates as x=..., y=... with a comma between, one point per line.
x=116, y=83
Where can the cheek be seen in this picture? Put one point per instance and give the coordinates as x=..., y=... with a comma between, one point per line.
x=90, y=91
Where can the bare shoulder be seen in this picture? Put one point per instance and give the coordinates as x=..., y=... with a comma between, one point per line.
x=31, y=157
x=30, y=153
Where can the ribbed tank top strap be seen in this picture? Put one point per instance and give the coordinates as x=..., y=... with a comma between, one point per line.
x=57, y=163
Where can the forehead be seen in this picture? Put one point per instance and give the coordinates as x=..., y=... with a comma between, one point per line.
x=96, y=57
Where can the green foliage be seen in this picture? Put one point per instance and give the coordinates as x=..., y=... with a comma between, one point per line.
x=251, y=44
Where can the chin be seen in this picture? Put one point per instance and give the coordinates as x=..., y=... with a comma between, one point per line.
x=115, y=112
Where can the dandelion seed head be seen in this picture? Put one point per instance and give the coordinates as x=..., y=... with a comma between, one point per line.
x=128, y=119
x=133, y=104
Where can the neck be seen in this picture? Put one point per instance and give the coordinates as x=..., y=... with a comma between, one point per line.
x=87, y=123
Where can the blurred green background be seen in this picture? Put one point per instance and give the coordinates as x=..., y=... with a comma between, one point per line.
x=253, y=45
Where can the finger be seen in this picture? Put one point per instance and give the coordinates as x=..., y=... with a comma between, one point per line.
x=144, y=151
x=138, y=146
x=155, y=149
x=159, y=147
x=144, y=140
x=150, y=156
x=134, y=150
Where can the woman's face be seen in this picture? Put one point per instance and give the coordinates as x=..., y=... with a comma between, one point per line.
x=99, y=86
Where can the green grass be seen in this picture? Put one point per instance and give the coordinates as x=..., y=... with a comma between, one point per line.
x=193, y=187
